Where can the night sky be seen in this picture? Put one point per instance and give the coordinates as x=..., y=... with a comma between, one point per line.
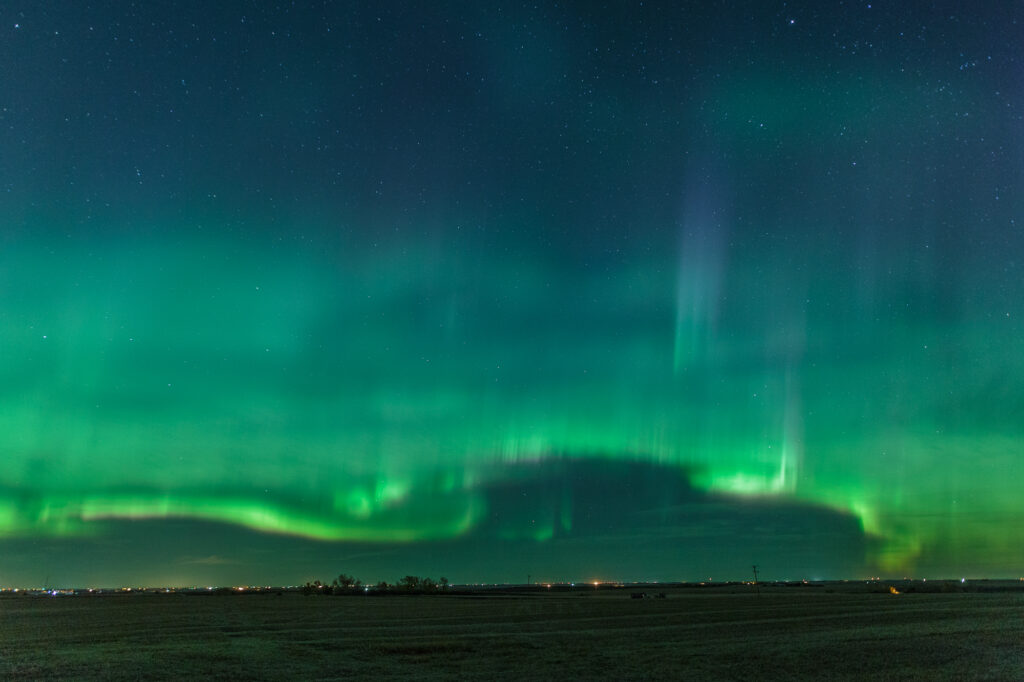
x=497, y=290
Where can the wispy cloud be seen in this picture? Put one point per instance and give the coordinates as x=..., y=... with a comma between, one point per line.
x=211, y=560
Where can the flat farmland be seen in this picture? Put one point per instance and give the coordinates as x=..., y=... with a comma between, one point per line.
x=691, y=634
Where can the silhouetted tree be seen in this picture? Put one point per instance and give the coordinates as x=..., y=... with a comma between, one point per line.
x=316, y=587
x=443, y=582
x=347, y=581
x=409, y=583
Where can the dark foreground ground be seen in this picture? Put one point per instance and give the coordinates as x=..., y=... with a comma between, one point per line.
x=728, y=634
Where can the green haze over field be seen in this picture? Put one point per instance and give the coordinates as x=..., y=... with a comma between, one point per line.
x=791, y=286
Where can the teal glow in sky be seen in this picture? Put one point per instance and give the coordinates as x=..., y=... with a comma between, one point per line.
x=642, y=293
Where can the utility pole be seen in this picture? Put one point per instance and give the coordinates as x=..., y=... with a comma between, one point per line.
x=756, y=585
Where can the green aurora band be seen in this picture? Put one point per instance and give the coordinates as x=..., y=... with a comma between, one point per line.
x=339, y=272
x=368, y=397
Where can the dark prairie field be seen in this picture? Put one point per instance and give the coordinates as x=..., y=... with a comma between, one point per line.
x=689, y=635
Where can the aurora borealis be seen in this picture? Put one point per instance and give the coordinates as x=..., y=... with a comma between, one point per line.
x=489, y=290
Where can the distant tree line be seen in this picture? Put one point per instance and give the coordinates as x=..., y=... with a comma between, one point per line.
x=346, y=584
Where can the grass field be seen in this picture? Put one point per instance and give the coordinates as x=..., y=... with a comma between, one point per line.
x=783, y=634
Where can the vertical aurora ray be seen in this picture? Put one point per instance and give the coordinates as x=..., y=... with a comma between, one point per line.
x=702, y=266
